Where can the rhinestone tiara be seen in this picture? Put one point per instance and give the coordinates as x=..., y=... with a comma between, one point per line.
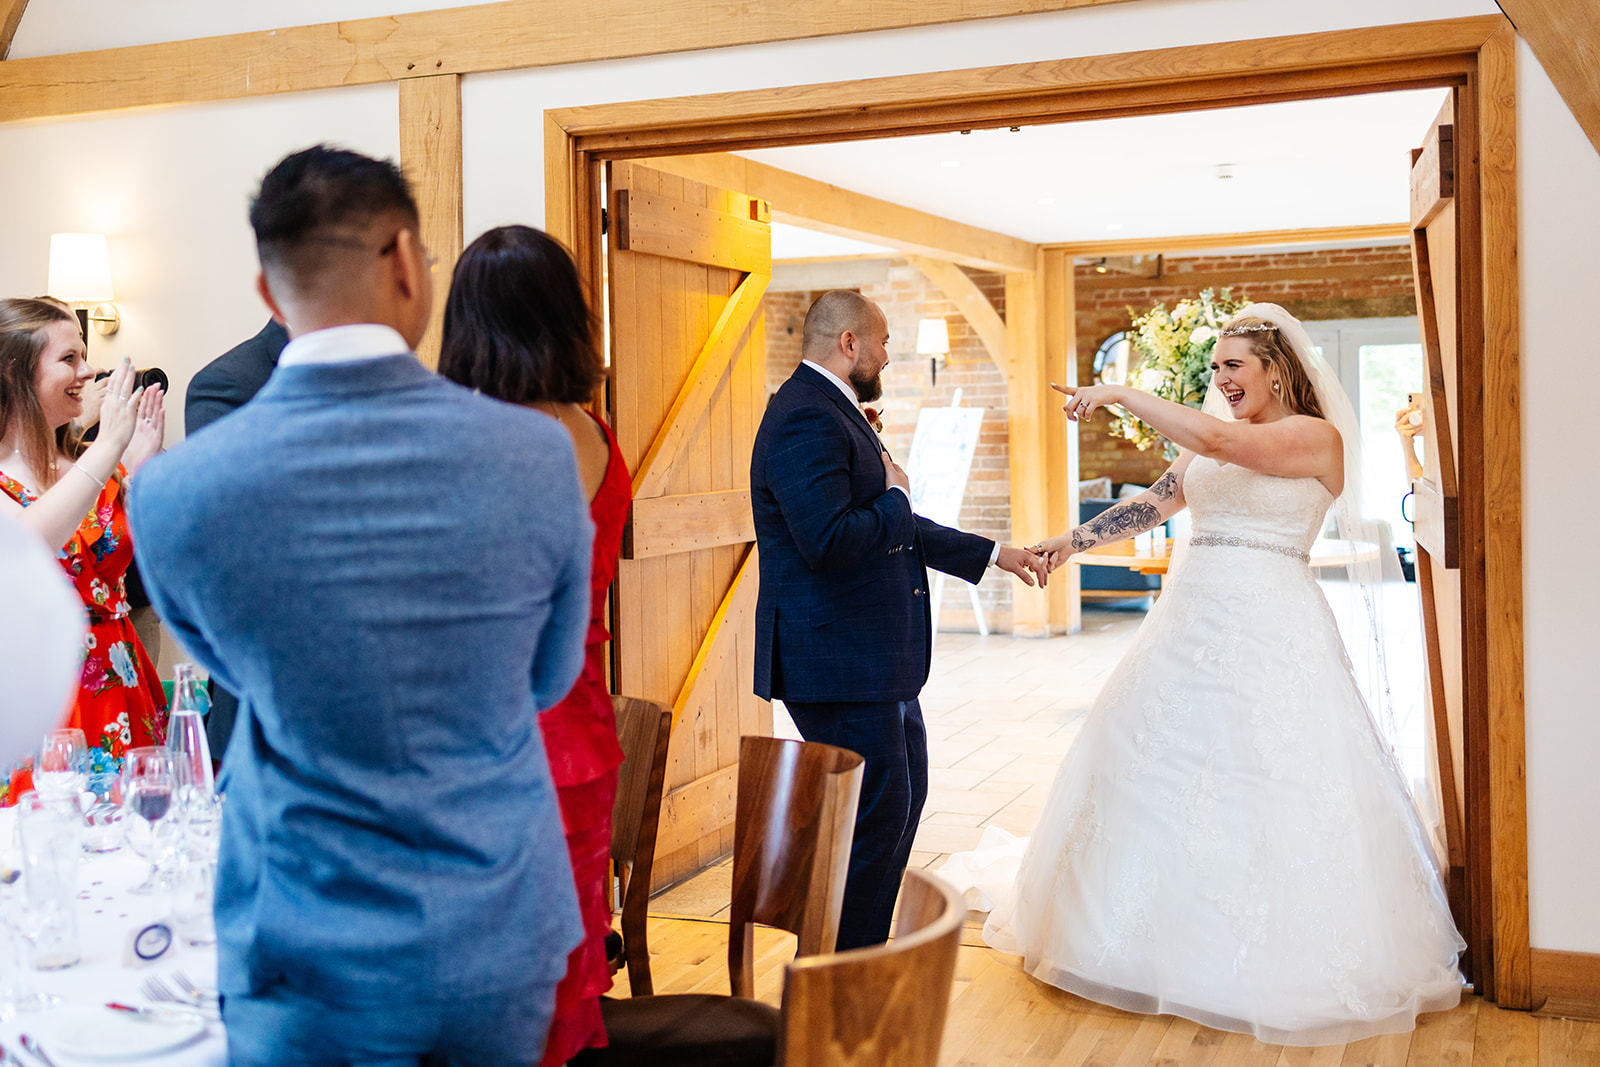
x=1249, y=327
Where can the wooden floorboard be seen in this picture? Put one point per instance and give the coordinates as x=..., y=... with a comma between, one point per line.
x=999, y=1015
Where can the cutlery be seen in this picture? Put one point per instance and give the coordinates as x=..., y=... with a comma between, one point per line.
x=37, y=1049
x=155, y=989
x=159, y=1015
x=192, y=990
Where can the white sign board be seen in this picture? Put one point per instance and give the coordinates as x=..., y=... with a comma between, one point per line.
x=941, y=459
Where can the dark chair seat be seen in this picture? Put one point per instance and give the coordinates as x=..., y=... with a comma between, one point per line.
x=686, y=1030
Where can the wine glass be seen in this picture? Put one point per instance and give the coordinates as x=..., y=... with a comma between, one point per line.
x=147, y=795
x=63, y=767
x=18, y=993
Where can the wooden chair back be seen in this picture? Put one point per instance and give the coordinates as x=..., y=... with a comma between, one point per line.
x=882, y=1006
x=793, y=827
x=643, y=727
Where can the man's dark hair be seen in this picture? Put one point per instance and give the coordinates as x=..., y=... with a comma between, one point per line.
x=516, y=325
x=321, y=200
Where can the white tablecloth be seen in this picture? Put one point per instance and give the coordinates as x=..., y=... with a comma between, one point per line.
x=107, y=912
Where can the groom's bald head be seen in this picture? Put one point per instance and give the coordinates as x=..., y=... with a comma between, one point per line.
x=833, y=314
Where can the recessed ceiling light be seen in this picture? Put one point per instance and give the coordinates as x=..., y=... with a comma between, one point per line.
x=1114, y=226
x=1047, y=200
x=951, y=163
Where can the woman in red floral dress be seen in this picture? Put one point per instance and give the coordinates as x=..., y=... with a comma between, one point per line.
x=516, y=327
x=72, y=496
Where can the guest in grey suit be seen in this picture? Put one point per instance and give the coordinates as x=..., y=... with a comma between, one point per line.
x=358, y=555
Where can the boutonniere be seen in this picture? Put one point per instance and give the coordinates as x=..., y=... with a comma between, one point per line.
x=874, y=418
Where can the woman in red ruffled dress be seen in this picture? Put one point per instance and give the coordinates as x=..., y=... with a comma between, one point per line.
x=72, y=495
x=516, y=327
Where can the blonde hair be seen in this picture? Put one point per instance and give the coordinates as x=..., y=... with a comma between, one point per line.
x=1268, y=344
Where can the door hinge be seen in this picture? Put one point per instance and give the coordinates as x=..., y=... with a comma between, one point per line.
x=605, y=222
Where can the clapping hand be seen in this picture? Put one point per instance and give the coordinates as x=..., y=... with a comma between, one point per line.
x=94, y=394
x=149, y=432
x=119, y=408
x=1022, y=562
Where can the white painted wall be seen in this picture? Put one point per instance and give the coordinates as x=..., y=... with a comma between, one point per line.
x=169, y=187
x=1559, y=232
x=51, y=27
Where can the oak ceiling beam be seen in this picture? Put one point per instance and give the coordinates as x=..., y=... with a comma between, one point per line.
x=508, y=35
x=1565, y=37
x=1395, y=232
x=964, y=293
x=10, y=18
x=816, y=205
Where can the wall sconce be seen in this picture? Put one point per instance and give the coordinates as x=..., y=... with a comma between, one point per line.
x=933, y=341
x=80, y=275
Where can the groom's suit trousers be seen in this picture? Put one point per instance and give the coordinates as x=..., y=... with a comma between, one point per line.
x=894, y=746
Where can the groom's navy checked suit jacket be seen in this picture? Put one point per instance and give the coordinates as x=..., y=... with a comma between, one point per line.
x=842, y=614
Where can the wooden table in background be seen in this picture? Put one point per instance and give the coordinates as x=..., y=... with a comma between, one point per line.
x=1123, y=554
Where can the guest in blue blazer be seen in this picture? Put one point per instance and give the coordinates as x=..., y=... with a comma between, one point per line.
x=358, y=555
x=843, y=627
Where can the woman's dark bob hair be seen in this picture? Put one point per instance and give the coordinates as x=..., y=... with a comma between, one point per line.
x=516, y=325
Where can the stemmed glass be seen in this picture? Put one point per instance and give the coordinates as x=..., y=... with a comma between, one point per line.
x=147, y=794
x=18, y=993
x=62, y=771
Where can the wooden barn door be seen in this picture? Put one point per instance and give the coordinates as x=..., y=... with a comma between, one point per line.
x=688, y=265
x=1435, y=247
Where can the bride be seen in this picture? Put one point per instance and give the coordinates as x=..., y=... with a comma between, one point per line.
x=1230, y=838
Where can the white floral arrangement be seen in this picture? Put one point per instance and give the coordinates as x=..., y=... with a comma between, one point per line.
x=1175, y=358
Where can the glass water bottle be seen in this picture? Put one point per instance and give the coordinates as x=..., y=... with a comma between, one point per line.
x=186, y=734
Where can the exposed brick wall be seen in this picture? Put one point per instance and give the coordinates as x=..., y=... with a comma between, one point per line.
x=1350, y=283
x=907, y=297
x=1347, y=283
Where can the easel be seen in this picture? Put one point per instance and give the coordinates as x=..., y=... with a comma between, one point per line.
x=941, y=459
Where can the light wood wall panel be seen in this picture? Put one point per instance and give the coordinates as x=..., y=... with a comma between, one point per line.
x=830, y=209
x=509, y=35
x=1502, y=513
x=1565, y=38
x=685, y=619
x=430, y=155
x=10, y=18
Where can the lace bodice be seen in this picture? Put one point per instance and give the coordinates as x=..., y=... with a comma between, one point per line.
x=1232, y=501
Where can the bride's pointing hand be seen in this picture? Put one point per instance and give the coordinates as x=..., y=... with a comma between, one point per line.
x=1084, y=400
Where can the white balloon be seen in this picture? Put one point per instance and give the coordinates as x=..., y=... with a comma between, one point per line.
x=42, y=624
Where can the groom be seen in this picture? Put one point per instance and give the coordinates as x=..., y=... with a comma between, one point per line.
x=843, y=630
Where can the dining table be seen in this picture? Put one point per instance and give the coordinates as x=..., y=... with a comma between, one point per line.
x=81, y=1031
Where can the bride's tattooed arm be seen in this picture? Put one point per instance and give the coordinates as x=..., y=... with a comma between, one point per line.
x=1134, y=516
x=1117, y=523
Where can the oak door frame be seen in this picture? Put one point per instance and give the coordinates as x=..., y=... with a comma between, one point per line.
x=1475, y=57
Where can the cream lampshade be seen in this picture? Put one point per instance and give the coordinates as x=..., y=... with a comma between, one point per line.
x=933, y=338
x=933, y=341
x=80, y=275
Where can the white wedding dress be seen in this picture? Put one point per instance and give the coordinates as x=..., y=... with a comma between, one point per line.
x=1229, y=839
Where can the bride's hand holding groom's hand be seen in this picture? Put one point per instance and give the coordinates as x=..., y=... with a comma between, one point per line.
x=1055, y=551
x=1023, y=563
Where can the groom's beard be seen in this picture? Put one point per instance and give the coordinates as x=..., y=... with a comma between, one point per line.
x=869, y=389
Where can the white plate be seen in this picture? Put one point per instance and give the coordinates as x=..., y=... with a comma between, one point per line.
x=103, y=1034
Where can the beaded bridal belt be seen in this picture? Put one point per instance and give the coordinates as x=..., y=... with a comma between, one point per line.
x=1245, y=542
